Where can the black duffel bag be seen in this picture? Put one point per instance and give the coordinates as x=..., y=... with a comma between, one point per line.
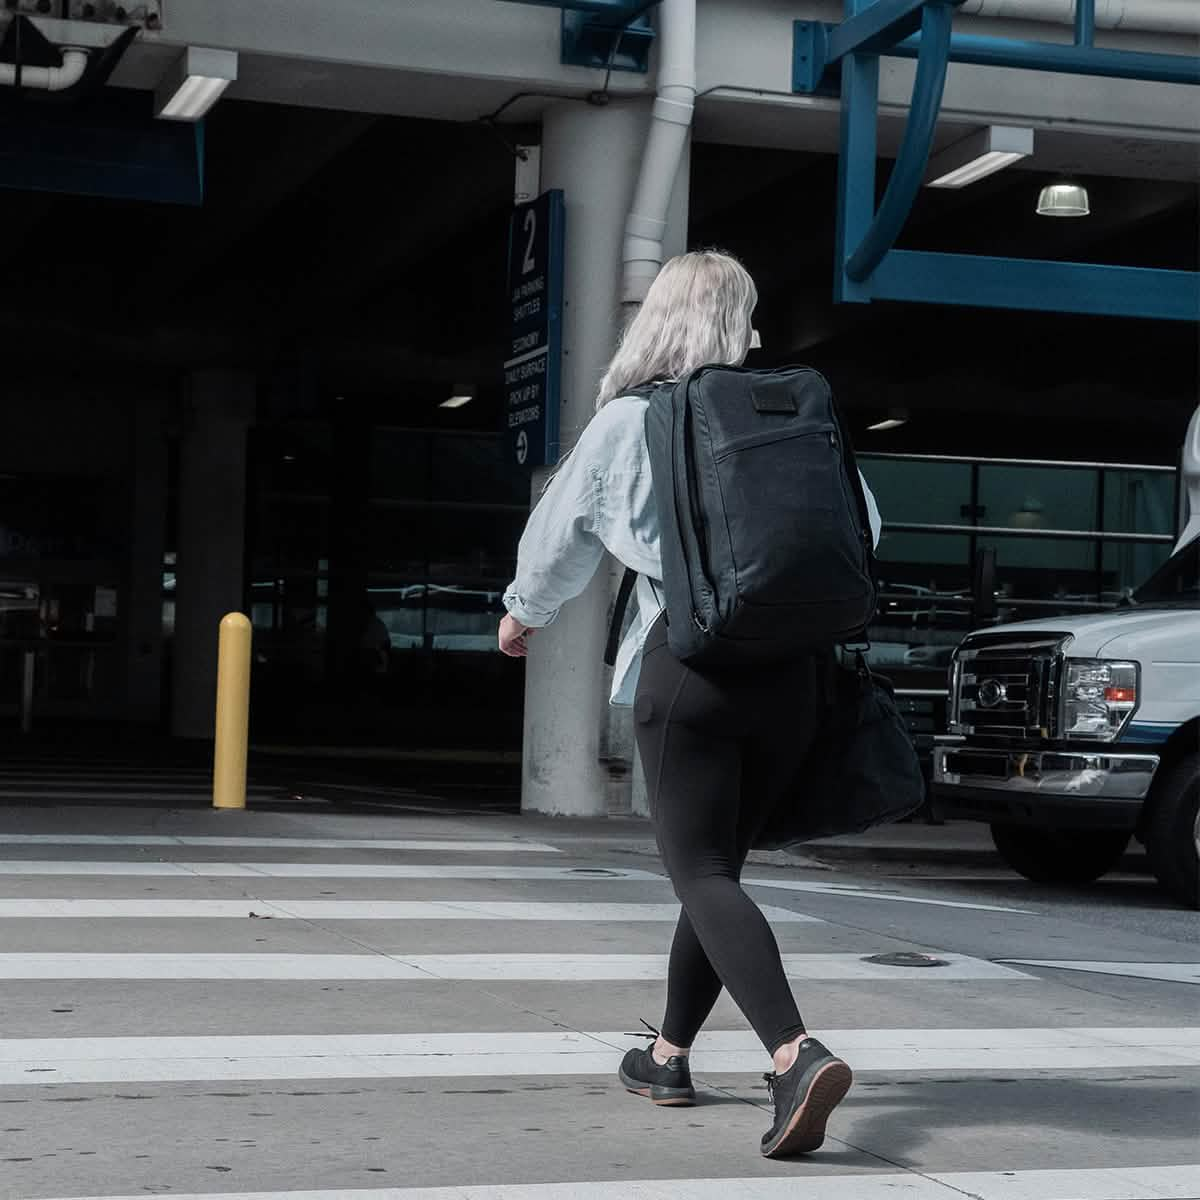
x=862, y=771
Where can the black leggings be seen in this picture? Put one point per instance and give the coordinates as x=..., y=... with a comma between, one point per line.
x=720, y=750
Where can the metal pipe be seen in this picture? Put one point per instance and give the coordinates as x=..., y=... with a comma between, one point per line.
x=670, y=124
x=1064, y=58
x=1150, y=16
x=1085, y=22
x=231, y=744
x=1070, y=535
x=1014, y=462
x=909, y=169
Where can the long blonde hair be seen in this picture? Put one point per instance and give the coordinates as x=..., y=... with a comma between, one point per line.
x=697, y=311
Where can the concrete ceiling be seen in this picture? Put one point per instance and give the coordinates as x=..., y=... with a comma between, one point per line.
x=347, y=250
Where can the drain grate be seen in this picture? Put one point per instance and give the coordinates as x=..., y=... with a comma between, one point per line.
x=905, y=958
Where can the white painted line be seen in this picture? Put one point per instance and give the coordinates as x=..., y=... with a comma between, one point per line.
x=1166, y=972
x=286, y=843
x=558, y=968
x=364, y=910
x=439, y=1055
x=1098, y=1183
x=281, y=870
x=869, y=893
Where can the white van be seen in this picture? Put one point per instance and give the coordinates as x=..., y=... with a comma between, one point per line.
x=1072, y=735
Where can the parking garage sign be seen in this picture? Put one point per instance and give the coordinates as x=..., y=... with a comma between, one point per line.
x=533, y=364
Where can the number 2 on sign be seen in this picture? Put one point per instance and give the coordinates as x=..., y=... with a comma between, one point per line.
x=530, y=228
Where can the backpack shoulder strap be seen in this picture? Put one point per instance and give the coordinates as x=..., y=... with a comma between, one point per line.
x=614, y=630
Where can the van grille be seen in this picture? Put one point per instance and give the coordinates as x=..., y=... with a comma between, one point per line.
x=1007, y=688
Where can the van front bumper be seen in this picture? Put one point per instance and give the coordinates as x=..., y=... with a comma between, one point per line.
x=1063, y=788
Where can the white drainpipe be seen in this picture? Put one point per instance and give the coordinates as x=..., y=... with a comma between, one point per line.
x=645, y=227
x=1149, y=16
x=48, y=79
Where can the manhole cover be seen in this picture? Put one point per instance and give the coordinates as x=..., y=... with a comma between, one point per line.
x=591, y=871
x=906, y=959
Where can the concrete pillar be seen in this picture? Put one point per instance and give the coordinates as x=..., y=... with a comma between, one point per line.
x=143, y=606
x=631, y=797
x=593, y=154
x=217, y=412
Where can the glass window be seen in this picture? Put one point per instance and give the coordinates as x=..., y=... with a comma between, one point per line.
x=1128, y=565
x=1178, y=582
x=935, y=561
x=1044, y=569
x=929, y=493
x=399, y=464
x=468, y=545
x=401, y=608
x=292, y=534
x=477, y=469
x=1139, y=501
x=1038, y=497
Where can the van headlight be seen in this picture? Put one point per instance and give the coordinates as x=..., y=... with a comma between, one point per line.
x=1099, y=697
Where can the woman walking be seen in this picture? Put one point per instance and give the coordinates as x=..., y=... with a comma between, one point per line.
x=722, y=747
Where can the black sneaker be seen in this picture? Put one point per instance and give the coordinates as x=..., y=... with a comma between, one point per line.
x=669, y=1085
x=804, y=1096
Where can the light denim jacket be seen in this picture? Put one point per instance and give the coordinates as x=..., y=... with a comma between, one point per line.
x=600, y=499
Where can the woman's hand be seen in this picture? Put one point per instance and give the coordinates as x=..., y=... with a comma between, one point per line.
x=514, y=637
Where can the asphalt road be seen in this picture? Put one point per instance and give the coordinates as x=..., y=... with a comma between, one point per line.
x=371, y=1006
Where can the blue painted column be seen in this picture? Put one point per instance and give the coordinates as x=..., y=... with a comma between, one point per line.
x=856, y=164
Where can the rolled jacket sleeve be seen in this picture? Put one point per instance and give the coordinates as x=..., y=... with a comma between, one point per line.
x=561, y=547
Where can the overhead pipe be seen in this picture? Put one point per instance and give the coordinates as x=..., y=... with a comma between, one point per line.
x=47, y=79
x=671, y=119
x=1147, y=16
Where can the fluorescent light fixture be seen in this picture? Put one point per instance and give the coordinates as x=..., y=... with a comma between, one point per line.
x=979, y=154
x=462, y=393
x=194, y=83
x=895, y=418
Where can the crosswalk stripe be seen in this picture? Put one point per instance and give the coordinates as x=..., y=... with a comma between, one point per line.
x=364, y=910
x=281, y=870
x=286, y=843
x=440, y=1055
x=860, y=892
x=541, y=967
x=1097, y=1183
x=1165, y=972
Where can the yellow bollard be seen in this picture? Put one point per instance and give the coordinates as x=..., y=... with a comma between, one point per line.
x=233, y=712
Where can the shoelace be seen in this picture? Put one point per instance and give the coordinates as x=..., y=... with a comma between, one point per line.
x=771, y=1077
x=654, y=1033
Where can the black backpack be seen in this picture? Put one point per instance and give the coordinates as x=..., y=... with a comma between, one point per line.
x=766, y=541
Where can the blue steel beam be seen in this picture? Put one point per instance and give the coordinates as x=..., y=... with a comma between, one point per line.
x=1042, y=285
x=909, y=171
x=856, y=162
x=874, y=29
x=1063, y=58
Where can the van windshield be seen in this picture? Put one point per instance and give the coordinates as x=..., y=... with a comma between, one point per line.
x=1177, y=581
